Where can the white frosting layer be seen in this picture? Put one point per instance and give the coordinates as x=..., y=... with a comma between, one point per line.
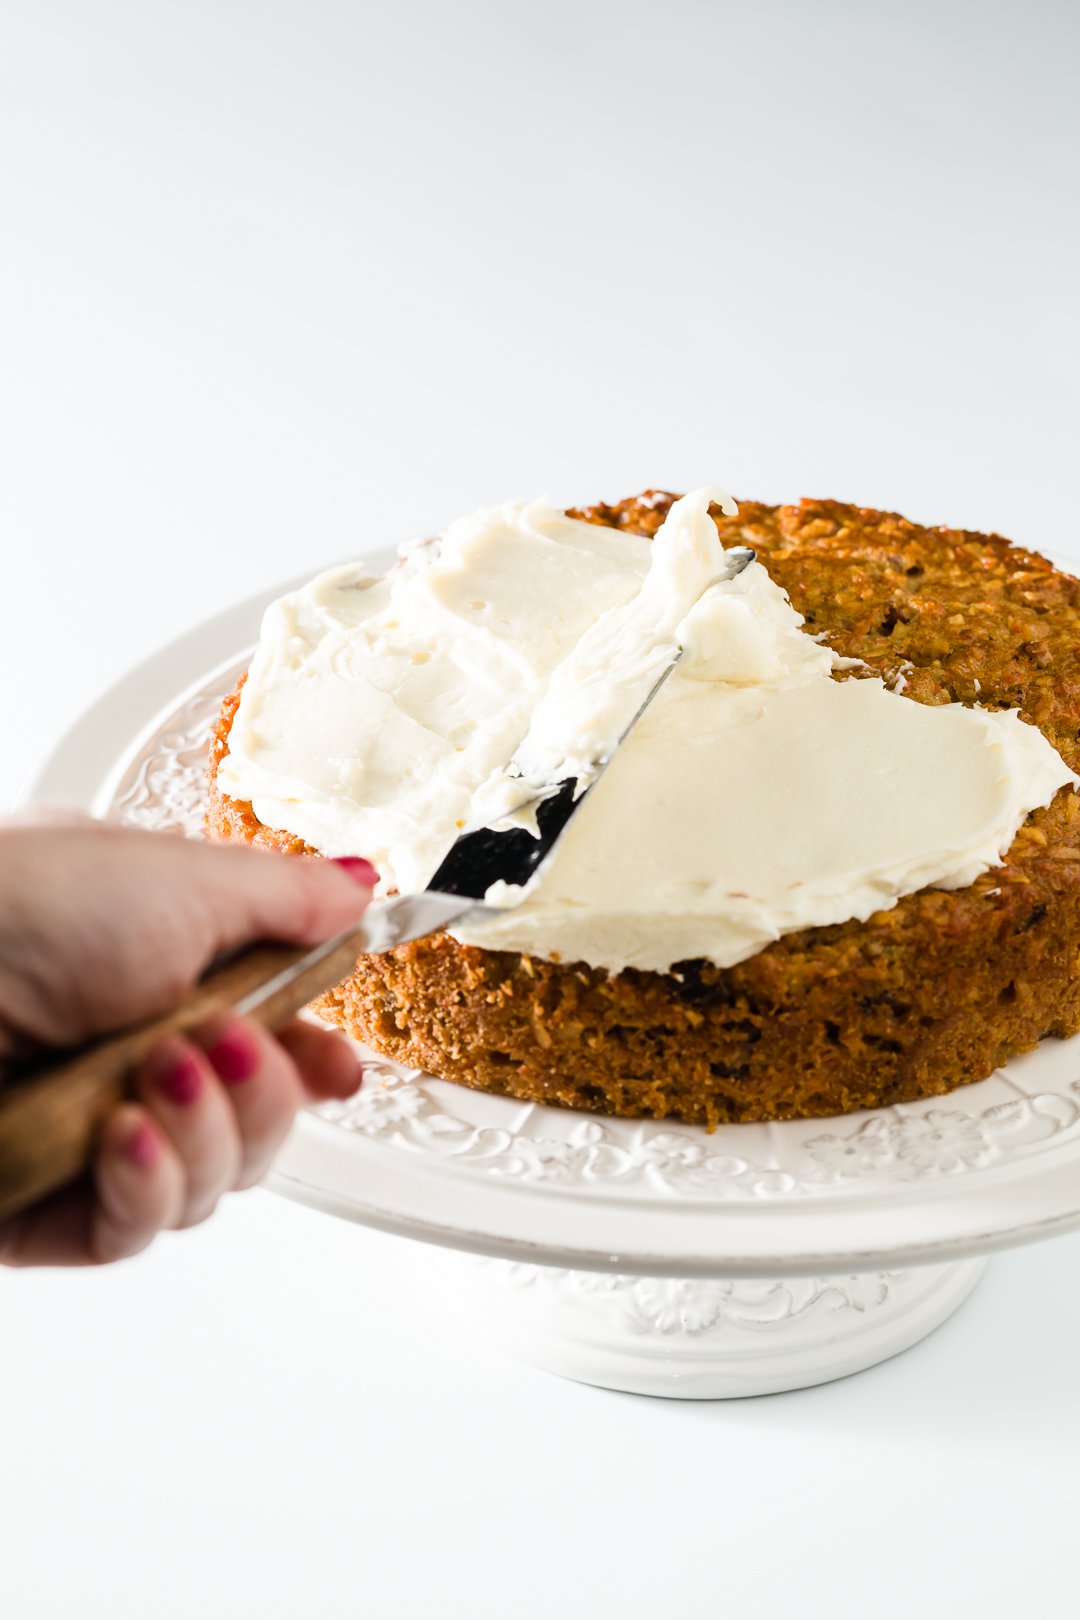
x=375, y=709
x=594, y=694
x=757, y=795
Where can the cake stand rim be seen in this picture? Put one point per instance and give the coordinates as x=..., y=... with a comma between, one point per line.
x=663, y=1239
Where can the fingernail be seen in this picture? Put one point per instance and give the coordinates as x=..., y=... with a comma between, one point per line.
x=178, y=1077
x=142, y=1147
x=234, y=1054
x=358, y=869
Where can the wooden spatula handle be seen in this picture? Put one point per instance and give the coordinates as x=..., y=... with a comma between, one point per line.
x=49, y=1120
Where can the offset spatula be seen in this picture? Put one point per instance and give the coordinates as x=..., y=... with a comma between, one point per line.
x=49, y=1119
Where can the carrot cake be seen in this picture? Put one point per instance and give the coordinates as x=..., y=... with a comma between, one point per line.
x=835, y=866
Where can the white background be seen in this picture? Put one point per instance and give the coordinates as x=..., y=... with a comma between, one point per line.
x=279, y=282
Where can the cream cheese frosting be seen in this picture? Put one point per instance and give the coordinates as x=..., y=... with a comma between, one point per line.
x=759, y=794
x=594, y=694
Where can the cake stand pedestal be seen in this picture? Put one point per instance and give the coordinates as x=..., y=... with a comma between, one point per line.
x=635, y=1254
x=703, y=1339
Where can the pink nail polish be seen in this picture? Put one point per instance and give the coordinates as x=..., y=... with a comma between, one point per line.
x=182, y=1081
x=142, y=1147
x=235, y=1054
x=358, y=869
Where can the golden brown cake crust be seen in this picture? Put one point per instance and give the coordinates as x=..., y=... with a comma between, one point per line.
x=927, y=996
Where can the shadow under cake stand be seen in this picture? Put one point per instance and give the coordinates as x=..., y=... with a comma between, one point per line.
x=638, y=1255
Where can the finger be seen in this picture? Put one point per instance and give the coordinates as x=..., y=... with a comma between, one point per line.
x=178, y=1087
x=140, y=1186
x=253, y=894
x=262, y=1085
x=102, y=925
x=327, y=1064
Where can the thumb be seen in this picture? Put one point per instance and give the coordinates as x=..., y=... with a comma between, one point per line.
x=101, y=925
x=302, y=899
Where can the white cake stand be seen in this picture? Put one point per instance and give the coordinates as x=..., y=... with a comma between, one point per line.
x=641, y=1256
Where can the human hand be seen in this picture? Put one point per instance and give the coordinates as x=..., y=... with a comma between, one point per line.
x=103, y=925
